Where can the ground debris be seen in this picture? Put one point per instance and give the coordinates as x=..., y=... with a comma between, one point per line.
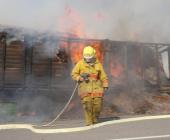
x=138, y=104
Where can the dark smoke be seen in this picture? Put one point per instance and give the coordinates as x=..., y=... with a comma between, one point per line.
x=130, y=20
x=146, y=21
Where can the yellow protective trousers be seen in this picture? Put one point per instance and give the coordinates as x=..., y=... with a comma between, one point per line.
x=92, y=107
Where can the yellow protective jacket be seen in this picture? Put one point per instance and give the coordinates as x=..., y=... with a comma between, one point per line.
x=97, y=79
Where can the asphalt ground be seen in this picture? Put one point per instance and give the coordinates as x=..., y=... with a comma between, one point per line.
x=141, y=128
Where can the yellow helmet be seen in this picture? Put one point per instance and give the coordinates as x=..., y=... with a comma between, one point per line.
x=89, y=52
x=89, y=55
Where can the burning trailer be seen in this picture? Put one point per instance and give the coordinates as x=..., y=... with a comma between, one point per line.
x=35, y=75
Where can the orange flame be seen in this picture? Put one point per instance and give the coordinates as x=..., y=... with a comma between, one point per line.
x=76, y=50
x=116, y=68
x=99, y=50
x=73, y=24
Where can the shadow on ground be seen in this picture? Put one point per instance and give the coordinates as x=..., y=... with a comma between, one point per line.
x=106, y=119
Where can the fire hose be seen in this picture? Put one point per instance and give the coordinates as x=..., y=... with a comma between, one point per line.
x=52, y=123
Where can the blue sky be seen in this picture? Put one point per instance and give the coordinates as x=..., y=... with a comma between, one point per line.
x=113, y=19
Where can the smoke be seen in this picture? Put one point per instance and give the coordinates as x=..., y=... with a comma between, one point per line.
x=130, y=20
x=135, y=20
x=31, y=106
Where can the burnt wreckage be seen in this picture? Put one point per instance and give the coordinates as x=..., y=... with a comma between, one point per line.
x=41, y=66
x=21, y=64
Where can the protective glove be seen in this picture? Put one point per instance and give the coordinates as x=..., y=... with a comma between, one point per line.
x=81, y=79
x=105, y=88
x=84, y=77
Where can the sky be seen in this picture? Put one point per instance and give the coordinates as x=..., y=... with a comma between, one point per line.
x=134, y=20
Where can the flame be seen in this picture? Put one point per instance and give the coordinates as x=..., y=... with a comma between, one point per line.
x=116, y=68
x=73, y=25
x=99, y=50
x=76, y=50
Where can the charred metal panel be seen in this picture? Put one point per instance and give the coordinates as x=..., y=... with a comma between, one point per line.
x=14, y=65
x=41, y=67
x=38, y=66
x=1, y=62
x=60, y=68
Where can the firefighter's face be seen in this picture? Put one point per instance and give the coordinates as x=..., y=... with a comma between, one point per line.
x=90, y=60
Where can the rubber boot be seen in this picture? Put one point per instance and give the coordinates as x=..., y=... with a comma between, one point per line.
x=97, y=107
x=88, y=110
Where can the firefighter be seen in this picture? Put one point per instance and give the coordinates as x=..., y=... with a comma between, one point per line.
x=93, y=82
